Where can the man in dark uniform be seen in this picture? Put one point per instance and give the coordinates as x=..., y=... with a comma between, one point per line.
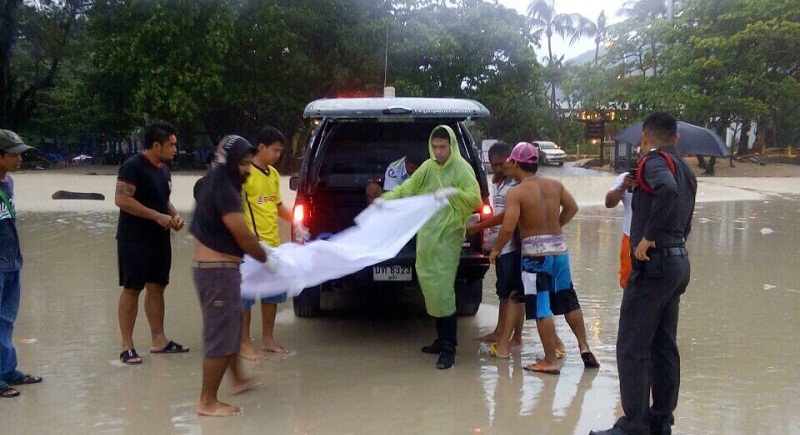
x=647, y=350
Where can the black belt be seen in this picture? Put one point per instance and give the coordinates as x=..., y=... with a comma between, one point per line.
x=672, y=251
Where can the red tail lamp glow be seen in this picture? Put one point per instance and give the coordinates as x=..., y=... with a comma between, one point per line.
x=299, y=213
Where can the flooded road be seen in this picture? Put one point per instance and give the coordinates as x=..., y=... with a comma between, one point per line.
x=358, y=370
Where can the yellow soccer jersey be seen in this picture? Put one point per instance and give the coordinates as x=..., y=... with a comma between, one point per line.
x=261, y=194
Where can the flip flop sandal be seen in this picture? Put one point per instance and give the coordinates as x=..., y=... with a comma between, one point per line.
x=171, y=347
x=8, y=392
x=493, y=352
x=560, y=354
x=534, y=369
x=127, y=355
x=589, y=361
x=26, y=380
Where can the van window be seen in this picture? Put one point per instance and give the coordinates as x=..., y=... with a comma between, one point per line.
x=355, y=153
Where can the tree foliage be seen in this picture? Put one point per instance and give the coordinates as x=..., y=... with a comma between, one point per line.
x=73, y=69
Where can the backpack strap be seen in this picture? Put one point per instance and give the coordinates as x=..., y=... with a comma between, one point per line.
x=640, y=168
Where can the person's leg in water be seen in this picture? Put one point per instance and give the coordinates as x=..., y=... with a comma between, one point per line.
x=239, y=382
x=213, y=371
x=575, y=321
x=547, y=334
x=448, y=332
x=154, y=309
x=269, y=311
x=247, y=350
x=501, y=319
x=517, y=314
x=127, y=310
x=510, y=335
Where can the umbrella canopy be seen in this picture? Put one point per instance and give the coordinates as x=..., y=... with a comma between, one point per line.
x=693, y=139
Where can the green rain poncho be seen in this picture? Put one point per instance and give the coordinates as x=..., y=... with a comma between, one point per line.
x=439, y=240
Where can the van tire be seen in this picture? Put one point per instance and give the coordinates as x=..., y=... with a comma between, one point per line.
x=307, y=303
x=469, y=295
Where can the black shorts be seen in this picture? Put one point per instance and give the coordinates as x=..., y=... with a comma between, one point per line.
x=509, y=283
x=141, y=263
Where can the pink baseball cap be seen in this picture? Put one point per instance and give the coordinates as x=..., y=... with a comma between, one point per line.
x=524, y=152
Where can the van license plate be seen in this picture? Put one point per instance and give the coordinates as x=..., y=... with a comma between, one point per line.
x=391, y=273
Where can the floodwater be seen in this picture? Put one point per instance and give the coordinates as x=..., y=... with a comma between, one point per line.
x=358, y=370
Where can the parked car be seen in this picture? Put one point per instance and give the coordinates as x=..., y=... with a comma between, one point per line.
x=352, y=145
x=550, y=153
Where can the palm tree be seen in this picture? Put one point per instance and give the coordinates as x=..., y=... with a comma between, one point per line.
x=585, y=27
x=543, y=20
x=645, y=9
x=650, y=11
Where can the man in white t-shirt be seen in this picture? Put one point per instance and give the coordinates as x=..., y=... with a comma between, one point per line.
x=398, y=171
x=622, y=191
x=507, y=335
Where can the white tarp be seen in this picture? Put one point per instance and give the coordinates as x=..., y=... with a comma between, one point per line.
x=379, y=235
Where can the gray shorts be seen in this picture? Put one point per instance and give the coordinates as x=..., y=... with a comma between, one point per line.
x=218, y=287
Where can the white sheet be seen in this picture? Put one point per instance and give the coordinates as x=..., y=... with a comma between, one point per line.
x=379, y=235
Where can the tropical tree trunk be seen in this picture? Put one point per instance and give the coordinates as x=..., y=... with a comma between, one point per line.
x=743, y=138
x=596, y=52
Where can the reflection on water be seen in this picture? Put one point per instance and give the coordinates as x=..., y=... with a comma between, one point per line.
x=363, y=373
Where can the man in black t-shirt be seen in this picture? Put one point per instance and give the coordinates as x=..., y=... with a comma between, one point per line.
x=221, y=240
x=143, y=238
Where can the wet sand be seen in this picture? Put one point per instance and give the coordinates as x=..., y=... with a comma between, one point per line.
x=358, y=370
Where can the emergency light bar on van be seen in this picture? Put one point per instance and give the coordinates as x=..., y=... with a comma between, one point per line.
x=365, y=108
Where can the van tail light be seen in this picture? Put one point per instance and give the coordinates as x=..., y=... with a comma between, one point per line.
x=299, y=217
x=299, y=214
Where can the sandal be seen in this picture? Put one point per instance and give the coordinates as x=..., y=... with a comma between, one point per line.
x=589, y=361
x=127, y=355
x=171, y=347
x=26, y=380
x=8, y=392
x=493, y=352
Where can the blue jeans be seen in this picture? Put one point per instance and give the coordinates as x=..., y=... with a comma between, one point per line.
x=9, y=306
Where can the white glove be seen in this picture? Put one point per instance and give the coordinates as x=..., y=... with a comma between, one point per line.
x=379, y=202
x=272, y=260
x=444, y=193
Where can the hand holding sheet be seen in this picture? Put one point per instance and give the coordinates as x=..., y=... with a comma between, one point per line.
x=379, y=235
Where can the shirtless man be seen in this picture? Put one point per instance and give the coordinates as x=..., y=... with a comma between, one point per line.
x=539, y=207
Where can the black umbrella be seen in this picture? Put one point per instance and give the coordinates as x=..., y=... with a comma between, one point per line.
x=693, y=139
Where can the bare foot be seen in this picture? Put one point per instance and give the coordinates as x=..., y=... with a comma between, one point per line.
x=250, y=353
x=488, y=338
x=540, y=367
x=244, y=384
x=219, y=409
x=274, y=347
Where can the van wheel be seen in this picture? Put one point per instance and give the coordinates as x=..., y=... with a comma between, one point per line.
x=307, y=303
x=469, y=295
x=560, y=163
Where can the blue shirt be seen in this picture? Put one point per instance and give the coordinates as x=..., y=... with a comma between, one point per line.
x=10, y=255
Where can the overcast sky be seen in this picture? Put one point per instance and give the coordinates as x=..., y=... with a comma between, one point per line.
x=588, y=8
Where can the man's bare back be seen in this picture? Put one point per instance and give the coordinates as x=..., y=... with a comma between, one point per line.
x=540, y=206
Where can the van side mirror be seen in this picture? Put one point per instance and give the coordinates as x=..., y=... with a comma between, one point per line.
x=294, y=182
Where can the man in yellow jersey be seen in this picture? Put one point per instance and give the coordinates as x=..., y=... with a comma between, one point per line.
x=261, y=197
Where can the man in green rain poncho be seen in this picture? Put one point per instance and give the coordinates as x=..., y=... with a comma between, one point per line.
x=449, y=177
